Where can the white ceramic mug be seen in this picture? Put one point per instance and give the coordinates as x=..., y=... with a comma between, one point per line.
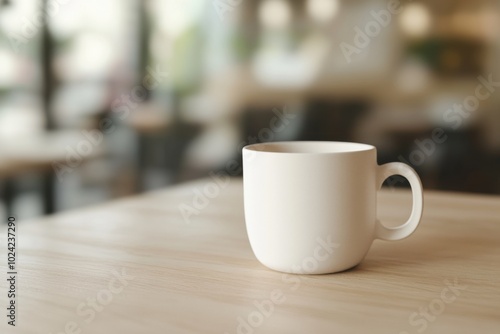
x=311, y=207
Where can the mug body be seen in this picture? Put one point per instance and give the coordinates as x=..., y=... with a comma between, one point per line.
x=310, y=207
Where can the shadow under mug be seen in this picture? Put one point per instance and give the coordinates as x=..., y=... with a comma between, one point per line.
x=311, y=207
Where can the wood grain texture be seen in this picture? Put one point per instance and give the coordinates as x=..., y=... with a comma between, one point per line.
x=201, y=277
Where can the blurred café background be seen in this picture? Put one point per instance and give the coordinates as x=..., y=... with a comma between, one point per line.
x=101, y=99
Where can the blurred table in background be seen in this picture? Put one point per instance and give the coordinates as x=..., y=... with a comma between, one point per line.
x=40, y=153
x=148, y=118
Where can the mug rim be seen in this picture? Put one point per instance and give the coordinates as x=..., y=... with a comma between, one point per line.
x=309, y=147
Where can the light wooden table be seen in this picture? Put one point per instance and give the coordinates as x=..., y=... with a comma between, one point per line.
x=202, y=277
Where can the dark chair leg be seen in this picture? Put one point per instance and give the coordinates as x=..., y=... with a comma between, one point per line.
x=48, y=193
x=8, y=196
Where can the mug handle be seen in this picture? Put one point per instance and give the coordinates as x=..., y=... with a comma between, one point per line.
x=405, y=230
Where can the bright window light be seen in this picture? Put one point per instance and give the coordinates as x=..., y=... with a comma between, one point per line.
x=415, y=20
x=275, y=13
x=175, y=17
x=323, y=10
x=8, y=69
